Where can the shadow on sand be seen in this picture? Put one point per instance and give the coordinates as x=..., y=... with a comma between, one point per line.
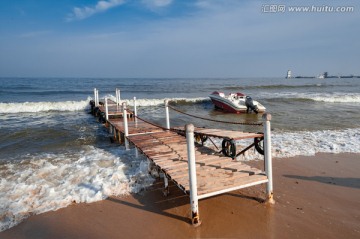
x=345, y=182
x=153, y=200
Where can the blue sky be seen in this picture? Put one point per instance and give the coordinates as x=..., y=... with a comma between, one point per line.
x=175, y=38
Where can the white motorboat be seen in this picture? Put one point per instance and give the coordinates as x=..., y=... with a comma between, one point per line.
x=236, y=103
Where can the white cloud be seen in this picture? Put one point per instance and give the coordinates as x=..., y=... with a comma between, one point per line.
x=152, y=4
x=161, y=3
x=85, y=12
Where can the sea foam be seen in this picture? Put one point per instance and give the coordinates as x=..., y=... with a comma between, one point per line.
x=48, y=182
x=336, y=97
x=156, y=102
x=306, y=143
x=32, y=107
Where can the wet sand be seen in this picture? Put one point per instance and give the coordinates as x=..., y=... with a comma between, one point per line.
x=316, y=197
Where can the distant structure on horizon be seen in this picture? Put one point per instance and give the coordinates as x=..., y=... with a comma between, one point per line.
x=324, y=75
x=288, y=75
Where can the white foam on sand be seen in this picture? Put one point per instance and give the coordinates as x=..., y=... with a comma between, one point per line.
x=48, y=182
x=307, y=143
x=45, y=182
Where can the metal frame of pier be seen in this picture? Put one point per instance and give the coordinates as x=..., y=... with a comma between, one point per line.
x=199, y=175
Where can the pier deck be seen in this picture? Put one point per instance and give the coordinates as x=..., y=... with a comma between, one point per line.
x=198, y=171
x=168, y=151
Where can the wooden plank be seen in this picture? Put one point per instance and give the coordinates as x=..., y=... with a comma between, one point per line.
x=215, y=182
x=173, y=164
x=239, y=182
x=232, y=168
x=217, y=177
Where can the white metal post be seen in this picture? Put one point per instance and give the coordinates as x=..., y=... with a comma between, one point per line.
x=195, y=218
x=135, y=110
x=167, y=114
x=126, y=129
x=106, y=109
x=268, y=158
x=116, y=96
x=95, y=97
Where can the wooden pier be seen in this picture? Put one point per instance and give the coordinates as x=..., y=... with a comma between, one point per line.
x=196, y=171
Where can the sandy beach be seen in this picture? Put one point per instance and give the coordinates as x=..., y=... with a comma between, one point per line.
x=316, y=197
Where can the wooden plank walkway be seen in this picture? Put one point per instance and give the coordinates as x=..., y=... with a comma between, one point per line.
x=113, y=109
x=168, y=151
x=200, y=173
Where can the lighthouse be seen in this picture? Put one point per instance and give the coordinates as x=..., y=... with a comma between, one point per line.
x=288, y=75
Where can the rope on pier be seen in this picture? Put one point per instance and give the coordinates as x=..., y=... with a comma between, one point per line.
x=146, y=121
x=218, y=121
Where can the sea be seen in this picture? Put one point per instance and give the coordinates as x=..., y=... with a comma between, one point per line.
x=54, y=153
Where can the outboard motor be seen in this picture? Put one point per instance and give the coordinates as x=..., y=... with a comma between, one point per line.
x=250, y=105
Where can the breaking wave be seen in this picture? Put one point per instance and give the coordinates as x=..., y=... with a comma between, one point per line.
x=282, y=86
x=318, y=97
x=155, y=102
x=33, y=107
x=47, y=182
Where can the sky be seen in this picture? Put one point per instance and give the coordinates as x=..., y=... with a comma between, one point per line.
x=177, y=38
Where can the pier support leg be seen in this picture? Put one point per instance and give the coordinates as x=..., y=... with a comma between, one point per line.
x=136, y=153
x=126, y=129
x=167, y=114
x=194, y=201
x=119, y=136
x=166, y=191
x=268, y=158
x=106, y=111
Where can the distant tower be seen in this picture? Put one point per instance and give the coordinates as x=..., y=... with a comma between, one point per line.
x=288, y=76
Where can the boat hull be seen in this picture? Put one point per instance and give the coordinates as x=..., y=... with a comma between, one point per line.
x=228, y=106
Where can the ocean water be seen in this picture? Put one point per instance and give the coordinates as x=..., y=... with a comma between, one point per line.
x=54, y=153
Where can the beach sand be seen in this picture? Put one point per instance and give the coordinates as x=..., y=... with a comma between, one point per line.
x=316, y=197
